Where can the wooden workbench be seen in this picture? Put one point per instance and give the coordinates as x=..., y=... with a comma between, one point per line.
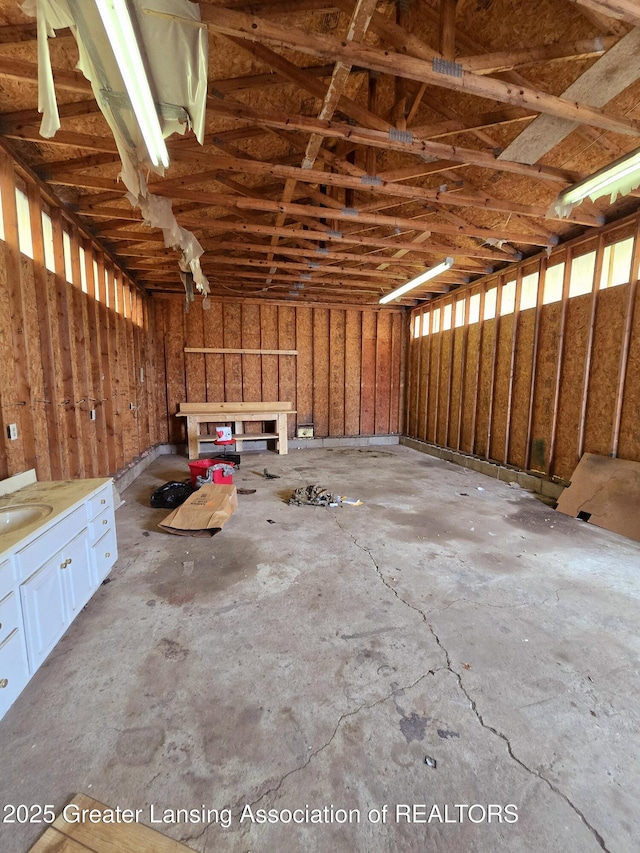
x=238, y=414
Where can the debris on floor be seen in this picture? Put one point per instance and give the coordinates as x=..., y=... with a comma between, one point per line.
x=204, y=513
x=246, y=491
x=171, y=495
x=313, y=496
x=220, y=473
x=430, y=762
x=350, y=501
x=269, y=476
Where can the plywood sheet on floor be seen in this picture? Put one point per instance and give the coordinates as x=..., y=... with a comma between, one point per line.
x=86, y=836
x=608, y=491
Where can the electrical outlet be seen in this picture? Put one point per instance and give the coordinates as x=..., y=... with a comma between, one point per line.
x=132, y=406
x=92, y=414
x=12, y=431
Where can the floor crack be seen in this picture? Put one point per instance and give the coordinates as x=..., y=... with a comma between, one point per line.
x=599, y=839
x=236, y=809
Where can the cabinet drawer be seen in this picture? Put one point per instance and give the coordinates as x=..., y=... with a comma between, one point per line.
x=102, y=523
x=6, y=578
x=99, y=502
x=14, y=669
x=10, y=615
x=40, y=550
x=105, y=553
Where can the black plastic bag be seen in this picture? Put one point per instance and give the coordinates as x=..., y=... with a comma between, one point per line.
x=171, y=494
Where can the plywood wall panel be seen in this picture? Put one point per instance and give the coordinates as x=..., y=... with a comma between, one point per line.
x=485, y=388
x=629, y=447
x=470, y=389
x=13, y=459
x=304, y=362
x=337, y=322
x=34, y=367
x=232, y=333
x=268, y=329
x=368, y=374
x=213, y=337
x=195, y=361
x=383, y=373
x=576, y=337
x=501, y=388
x=321, y=345
x=521, y=388
x=413, y=384
x=287, y=363
x=607, y=344
x=399, y=330
x=175, y=336
x=352, y=372
x=456, y=386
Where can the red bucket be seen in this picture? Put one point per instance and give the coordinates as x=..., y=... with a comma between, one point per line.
x=199, y=469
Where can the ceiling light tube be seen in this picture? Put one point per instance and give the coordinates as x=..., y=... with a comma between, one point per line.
x=612, y=179
x=427, y=275
x=122, y=37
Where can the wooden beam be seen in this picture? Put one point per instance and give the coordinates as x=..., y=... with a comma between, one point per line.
x=598, y=85
x=390, y=141
x=586, y=373
x=492, y=63
x=448, y=29
x=621, y=10
x=243, y=351
x=566, y=281
x=27, y=72
x=448, y=196
x=256, y=29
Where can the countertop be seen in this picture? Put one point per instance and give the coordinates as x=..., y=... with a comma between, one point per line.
x=62, y=495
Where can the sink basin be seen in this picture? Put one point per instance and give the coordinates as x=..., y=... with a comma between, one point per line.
x=17, y=516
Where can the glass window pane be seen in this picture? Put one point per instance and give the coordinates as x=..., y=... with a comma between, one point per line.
x=446, y=317
x=508, y=300
x=474, y=308
x=83, y=271
x=426, y=319
x=47, y=238
x=459, y=319
x=490, y=303
x=553, y=284
x=24, y=224
x=68, y=266
x=436, y=321
x=581, y=278
x=616, y=266
x=529, y=291
x=416, y=326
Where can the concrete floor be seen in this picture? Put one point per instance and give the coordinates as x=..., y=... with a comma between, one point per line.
x=319, y=659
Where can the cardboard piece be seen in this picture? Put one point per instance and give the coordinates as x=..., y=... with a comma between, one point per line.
x=605, y=492
x=203, y=513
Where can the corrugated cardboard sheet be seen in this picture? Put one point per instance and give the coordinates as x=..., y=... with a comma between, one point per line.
x=204, y=512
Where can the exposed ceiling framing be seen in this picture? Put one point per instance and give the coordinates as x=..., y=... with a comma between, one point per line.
x=350, y=145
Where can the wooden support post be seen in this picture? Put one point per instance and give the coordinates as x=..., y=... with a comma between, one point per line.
x=448, y=29
x=476, y=392
x=624, y=352
x=512, y=364
x=593, y=312
x=494, y=358
x=78, y=306
x=428, y=372
x=418, y=369
x=534, y=359
x=559, y=363
x=106, y=344
x=51, y=410
x=463, y=368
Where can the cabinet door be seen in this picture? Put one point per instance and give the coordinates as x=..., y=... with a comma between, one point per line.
x=14, y=671
x=44, y=610
x=76, y=571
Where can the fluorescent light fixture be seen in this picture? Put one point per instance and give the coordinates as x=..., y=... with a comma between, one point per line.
x=418, y=280
x=619, y=177
x=122, y=37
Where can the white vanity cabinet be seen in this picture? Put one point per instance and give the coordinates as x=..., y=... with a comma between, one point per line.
x=14, y=668
x=50, y=575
